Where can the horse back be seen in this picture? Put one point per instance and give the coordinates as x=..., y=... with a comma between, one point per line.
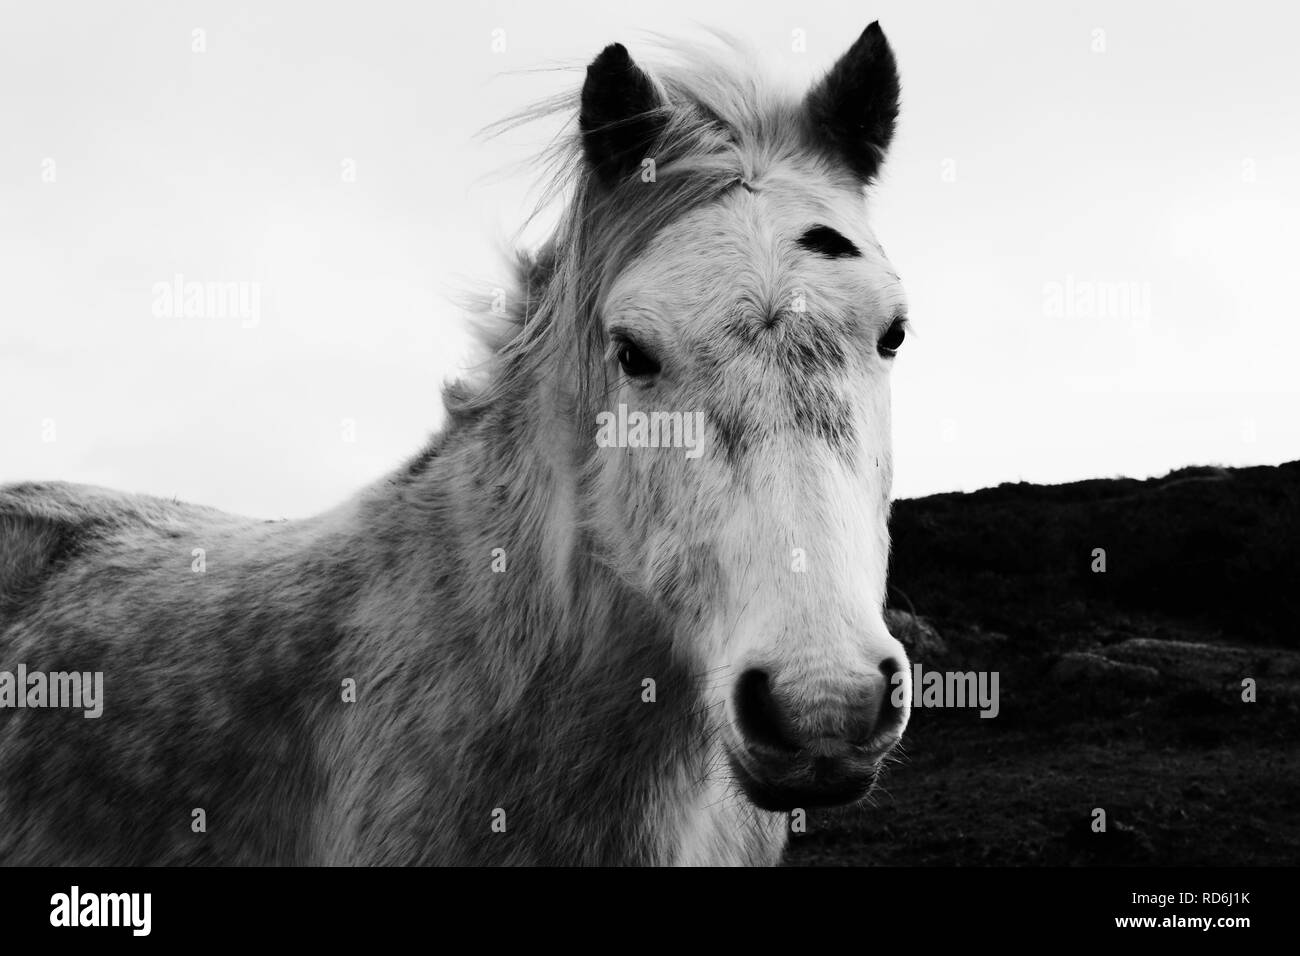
x=201, y=625
x=46, y=525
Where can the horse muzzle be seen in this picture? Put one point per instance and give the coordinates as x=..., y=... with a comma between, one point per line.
x=824, y=756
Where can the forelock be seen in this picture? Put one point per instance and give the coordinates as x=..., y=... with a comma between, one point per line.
x=724, y=124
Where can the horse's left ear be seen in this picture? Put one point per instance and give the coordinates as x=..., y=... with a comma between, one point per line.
x=854, y=108
x=620, y=118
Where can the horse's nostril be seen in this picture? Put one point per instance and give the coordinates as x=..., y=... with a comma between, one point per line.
x=876, y=714
x=759, y=714
x=890, y=715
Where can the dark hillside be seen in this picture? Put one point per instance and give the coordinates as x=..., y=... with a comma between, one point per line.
x=1215, y=546
x=1119, y=690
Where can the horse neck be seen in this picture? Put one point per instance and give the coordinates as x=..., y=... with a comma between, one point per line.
x=557, y=641
x=503, y=492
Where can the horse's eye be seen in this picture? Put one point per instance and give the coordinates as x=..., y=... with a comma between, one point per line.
x=892, y=339
x=634, y=362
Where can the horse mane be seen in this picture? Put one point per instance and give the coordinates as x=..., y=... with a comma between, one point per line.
x=724, y=124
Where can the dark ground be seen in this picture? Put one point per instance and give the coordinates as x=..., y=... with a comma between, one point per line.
x=1120, y=690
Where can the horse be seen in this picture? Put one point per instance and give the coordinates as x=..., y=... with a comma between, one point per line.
x=527, y=646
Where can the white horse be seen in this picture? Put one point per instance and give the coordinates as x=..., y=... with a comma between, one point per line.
x=527, y=645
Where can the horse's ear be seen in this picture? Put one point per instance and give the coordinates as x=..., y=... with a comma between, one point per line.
x=620, y=117
x=853, y=109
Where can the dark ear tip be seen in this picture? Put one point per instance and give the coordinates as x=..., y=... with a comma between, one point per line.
x=873, y=37
x=613, y=57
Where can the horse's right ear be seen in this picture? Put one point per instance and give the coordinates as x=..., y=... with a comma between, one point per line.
x=620, y=116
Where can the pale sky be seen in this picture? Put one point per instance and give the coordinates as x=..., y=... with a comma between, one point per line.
x=1093, y=207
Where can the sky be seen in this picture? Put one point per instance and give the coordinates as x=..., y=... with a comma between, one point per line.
x=1093, y=208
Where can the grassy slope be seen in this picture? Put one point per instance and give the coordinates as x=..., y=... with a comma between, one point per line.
x=1187, y=773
